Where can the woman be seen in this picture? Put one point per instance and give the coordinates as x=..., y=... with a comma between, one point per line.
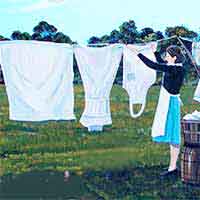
x=166, y=126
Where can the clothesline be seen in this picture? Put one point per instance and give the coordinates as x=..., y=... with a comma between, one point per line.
x=121, y=45
x=106, y=44
x=191, y=58
x=39, y=80
x=187, y=51
x=164, y=39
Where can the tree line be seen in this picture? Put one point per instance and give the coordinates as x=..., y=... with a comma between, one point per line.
x=126, y=33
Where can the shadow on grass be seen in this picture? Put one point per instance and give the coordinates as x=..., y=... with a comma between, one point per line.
x=139, y=183
x=126, y=184
x=18, y=127
x=43, y=185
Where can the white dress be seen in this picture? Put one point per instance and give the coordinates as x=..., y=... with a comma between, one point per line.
x=98, y=68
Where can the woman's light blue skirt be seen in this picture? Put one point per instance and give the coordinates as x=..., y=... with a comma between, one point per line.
x=173, y=126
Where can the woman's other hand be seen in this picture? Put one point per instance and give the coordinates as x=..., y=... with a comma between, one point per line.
x=153, y=47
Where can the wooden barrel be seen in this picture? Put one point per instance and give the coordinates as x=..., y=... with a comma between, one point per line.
x=190, y=165
x=191, y=132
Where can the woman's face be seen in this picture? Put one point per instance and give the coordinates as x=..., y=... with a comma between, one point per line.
x=170, y=59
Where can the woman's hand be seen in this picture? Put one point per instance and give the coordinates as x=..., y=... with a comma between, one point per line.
x=153, y=47
x=132, y=48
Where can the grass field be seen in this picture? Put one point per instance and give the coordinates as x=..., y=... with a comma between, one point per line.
x=124, y=149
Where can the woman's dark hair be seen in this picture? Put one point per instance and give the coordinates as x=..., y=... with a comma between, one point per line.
x=174, y=50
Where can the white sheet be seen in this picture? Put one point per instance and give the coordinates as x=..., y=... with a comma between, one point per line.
x=39, y=80
x=197, y=93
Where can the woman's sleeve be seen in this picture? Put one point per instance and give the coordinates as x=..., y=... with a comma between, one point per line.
x=159, y=58
x=156, y=66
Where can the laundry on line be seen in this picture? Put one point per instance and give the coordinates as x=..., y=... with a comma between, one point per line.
x=39, y=79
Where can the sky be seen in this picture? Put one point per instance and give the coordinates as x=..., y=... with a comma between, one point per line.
x=82, y=19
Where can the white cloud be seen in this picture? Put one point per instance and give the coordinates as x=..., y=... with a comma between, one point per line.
x=55, y=1
x=42, y=4
x=18, y=1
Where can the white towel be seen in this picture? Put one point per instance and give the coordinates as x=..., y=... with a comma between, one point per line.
x=194, y=116
x=197, y=93
x=98, y=68
x=137, y=77
x=196, y=55
x=39, y=80
x=196, y=52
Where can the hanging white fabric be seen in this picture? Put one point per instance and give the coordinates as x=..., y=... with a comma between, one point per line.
x=137, y=77
x=197, y=93
x=196, y=56
x=39, y=80
x=98, y=68
x=196, y=52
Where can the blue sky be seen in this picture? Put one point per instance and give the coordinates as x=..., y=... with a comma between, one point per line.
x=81, y=19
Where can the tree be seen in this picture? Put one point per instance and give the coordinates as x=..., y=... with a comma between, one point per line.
x=159, y=35
x=26, y=36
x=44, y=31
x=16, y=35
x=148, y=35
x=145, y=32
x=180, y=31
x=105, y=39
x=44, y=28
x=115, y=36
x=129, y=32
x=2, y=38
x=94, y=40
x=36, y=36
x=60, y=37
x=47, y=32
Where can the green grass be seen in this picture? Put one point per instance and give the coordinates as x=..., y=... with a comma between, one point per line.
x=67, y=145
